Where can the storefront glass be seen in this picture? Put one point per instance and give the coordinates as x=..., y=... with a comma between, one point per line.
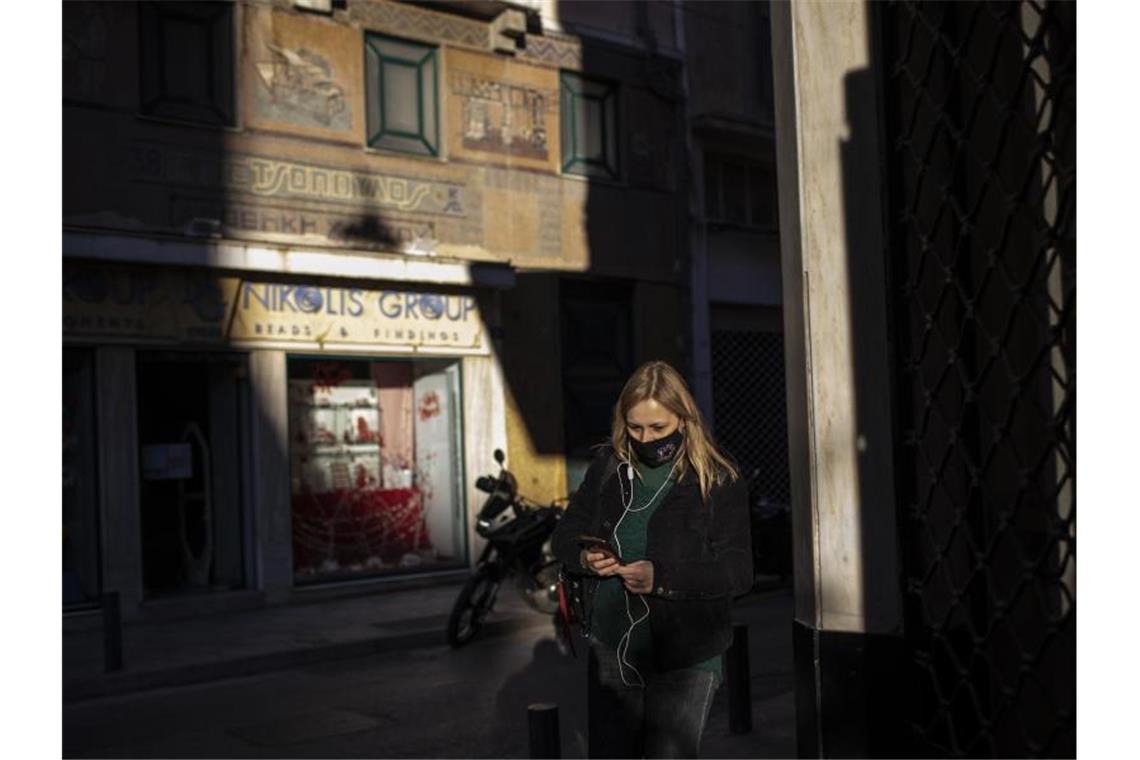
x=376, y=467
x=80, y=488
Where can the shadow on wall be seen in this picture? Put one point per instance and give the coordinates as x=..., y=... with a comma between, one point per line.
x=114, y=100
x=570, y=340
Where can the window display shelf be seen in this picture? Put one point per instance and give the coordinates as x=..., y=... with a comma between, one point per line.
x=338, y=405
x=321, y=448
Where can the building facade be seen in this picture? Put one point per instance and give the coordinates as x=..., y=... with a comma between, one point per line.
x=737, y=304
x=322, y=258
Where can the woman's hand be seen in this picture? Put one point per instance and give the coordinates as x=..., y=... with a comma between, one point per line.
x=602, y=563
x=637, y=576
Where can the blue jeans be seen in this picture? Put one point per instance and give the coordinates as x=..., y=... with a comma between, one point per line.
x=664, y=719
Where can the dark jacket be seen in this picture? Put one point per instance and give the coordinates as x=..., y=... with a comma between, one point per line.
x=701, y=555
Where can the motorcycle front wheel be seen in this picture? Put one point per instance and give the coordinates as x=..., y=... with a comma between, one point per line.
x=474, y=602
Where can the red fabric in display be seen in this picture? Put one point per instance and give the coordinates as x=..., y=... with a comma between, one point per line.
x=356, y=529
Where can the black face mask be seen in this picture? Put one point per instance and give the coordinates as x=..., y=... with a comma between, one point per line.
x=657, y=453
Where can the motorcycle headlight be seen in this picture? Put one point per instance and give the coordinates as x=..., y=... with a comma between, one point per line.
x=487, y=526
x=506, y=516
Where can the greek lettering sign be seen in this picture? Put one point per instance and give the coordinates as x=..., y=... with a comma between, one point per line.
x=272, y=178
x=169, y=307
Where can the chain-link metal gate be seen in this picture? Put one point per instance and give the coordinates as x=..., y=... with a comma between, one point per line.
x=750, y=415
x=980, y=103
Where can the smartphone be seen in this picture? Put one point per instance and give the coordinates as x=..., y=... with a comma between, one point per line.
x=596, y=544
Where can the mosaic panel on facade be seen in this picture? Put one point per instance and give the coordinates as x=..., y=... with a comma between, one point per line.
x=301, y=72
x=407, y=21
x=501, y=112
x=561, y=53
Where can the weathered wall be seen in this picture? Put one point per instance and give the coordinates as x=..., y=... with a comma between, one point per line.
x=295, y=170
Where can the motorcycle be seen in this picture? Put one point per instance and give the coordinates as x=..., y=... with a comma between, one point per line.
x=518, y=546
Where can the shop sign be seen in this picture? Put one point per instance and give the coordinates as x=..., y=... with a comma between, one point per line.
x=171, y=307
x=348, y=317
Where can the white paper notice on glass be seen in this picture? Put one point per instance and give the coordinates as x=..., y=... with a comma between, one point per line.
x=167, y=461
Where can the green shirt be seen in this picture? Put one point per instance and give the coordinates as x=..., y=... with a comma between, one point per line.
x=611, y=619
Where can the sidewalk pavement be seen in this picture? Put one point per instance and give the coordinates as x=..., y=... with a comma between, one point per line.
x=232, y=644
x=227, y=645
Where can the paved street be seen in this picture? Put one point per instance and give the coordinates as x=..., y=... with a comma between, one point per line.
x=423, y=702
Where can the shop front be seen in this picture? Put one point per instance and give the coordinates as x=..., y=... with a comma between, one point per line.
x=282, y=433
x=376, y=466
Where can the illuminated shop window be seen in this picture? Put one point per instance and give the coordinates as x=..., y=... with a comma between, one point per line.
x=187, y=61
x=376, y=467
x=589, y=126
x=402, y=95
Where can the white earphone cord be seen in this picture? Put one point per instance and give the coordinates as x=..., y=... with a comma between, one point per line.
x=626, y=639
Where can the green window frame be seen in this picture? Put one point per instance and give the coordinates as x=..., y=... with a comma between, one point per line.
x=402, y=95
x=589, y=126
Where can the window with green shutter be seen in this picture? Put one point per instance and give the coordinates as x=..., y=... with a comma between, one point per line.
x=589, y=126
x=402, y=96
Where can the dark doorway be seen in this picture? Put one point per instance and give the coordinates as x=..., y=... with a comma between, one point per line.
x=192, y=434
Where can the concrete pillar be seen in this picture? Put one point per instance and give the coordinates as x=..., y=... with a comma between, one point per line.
x=226, y=456
x=118, y=455
x=847, y=601
x=272, y=508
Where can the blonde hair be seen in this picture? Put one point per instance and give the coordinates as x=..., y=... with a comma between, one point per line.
x=658, y=381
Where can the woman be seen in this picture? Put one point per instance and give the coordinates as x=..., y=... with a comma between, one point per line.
x=673, y=509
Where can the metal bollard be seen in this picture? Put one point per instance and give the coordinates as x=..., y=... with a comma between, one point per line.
x=542, y=719
x=112, y=632
x=738, y=678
